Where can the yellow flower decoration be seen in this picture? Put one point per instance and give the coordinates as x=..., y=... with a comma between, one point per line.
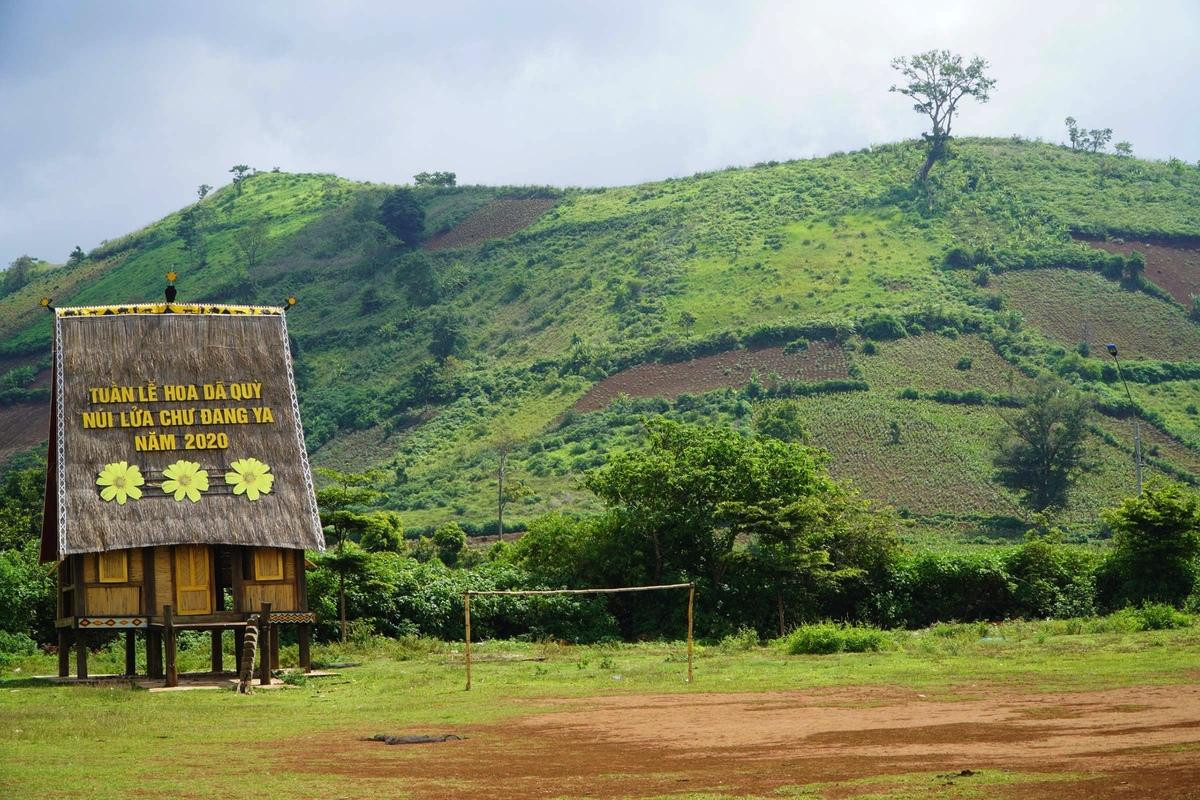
x=250, y=477
x=120, y=481
x=185, y=479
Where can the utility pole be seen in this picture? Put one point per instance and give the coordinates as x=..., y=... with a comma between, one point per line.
x=1137, y=428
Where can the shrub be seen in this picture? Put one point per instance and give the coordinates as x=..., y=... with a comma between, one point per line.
x=964, y=363
x=1161, y=617
x=15, y=646
x=1157, y=542
x=828, y=637
x=745, y=639
x=883, y=325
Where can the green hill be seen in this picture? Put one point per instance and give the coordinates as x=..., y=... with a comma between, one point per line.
x=555, y=319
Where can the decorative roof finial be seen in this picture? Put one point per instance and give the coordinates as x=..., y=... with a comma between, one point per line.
x=170, y=292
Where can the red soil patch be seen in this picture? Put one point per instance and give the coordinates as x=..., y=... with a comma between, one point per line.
x=820, y=362
x=497, y=219
x=1174, y=267
x=22, y=426
x=1130, y=742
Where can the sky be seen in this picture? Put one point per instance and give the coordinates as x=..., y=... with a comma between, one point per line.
x=113, y=112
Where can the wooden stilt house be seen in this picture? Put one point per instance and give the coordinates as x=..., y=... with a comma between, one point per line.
x=178, y=494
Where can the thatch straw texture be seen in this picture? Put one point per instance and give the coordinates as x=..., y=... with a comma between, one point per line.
x=134, y=349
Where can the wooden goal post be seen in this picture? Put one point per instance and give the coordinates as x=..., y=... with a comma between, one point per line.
x=691, y=587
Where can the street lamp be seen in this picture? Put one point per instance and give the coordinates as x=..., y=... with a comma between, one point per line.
x=1137, y=428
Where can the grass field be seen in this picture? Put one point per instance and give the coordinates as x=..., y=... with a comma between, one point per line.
x=550, y=720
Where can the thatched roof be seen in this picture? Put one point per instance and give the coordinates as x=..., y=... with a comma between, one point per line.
x=132, y=347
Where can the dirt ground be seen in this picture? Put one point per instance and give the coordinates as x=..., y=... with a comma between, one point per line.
x=1138, y=742
x=22, y=426
x=1174, y=267
x=819, y=362
x=499, y=218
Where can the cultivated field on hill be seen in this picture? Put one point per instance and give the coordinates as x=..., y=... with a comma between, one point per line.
x=1052, y=709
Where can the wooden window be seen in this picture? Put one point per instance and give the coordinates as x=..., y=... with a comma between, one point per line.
x=193, y=579
x=268, y=564
x=114, y=566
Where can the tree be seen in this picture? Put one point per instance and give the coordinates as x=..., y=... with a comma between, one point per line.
x=346, y=490
x=191, y=228
x=450, y=540
x=383, y=533
x=506, y=490
x=239, y=174
x=937, y=81
x=251, y=240
x=781, y=419
x=435, y=179
x=668, y=492
x=1124, y=149
x=403, y=216
x=17, y=275
x=1156, y=544
x=1135, y=265
x=1042, y=451
x=447, y=334
x=203, y=190
x=77, y=257
x=1093, y=140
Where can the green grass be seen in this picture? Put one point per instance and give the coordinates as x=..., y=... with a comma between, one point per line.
x=119, y=742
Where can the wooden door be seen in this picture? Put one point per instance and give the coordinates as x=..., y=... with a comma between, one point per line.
x=193, y=579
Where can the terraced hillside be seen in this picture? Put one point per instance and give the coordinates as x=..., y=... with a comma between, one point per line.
x=552, y=321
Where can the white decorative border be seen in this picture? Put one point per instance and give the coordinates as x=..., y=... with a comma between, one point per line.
x=310, y=489
x=60, y=437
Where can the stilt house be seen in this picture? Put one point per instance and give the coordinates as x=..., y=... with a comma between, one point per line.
x=178, y=494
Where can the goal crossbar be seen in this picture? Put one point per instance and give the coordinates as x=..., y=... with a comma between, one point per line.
x=467, y=595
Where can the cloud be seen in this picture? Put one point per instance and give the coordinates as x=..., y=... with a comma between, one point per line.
x=115, y=112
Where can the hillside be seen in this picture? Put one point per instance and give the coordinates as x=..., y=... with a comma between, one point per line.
x=556, y=319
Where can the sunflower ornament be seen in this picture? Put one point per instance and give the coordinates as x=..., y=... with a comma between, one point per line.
x=120, y=481
x=185, y=479
x=250, y=477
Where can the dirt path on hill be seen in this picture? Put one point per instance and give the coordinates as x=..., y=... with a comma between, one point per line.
x=1131, y=742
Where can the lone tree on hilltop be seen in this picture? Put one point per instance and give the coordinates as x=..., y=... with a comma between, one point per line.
x=239, y=174
x=937, y=80
x=1042, y=452
x=435, y=179
x=1094, y=140
x=202, y=190
x=403, y=216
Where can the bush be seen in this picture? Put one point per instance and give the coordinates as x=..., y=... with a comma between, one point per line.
x=745, y=639
x=883, y=325
x=1161, y=617
x=13, y=647
x=1156, y=545
x=828, y=637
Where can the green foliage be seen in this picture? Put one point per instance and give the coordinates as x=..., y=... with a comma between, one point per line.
x=1043, y=451
x=450, y=541
x=669, y=492
x=403, y=216
x=1161, y=617
x=826, y=638
x=780, y=419
x=435, y=179
x=382, y=531
x=1156, y=543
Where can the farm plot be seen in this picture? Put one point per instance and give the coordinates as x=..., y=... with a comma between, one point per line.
x=1157, y=444
x=1072, y=307
x=922, y=456
x=820, y=361
x=930, y=362
x=497, y=219
x=934, y=459
x=1175, y=268
x=1177, y=403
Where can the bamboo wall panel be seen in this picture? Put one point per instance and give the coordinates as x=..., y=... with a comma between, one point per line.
x=281, y=596
x=164, y=585
x=113, y=600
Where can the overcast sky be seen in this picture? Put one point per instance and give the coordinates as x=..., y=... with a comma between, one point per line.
x=112, y=113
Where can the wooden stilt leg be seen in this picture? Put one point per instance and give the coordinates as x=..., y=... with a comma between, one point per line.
x=218, y=653
x=81, y=654
x=274, y=647
x=172, y=677
x=64, y=652
x=264, y=645
x=302, y=636
x=130, y=653
x=239, y=644
x=154, y=659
